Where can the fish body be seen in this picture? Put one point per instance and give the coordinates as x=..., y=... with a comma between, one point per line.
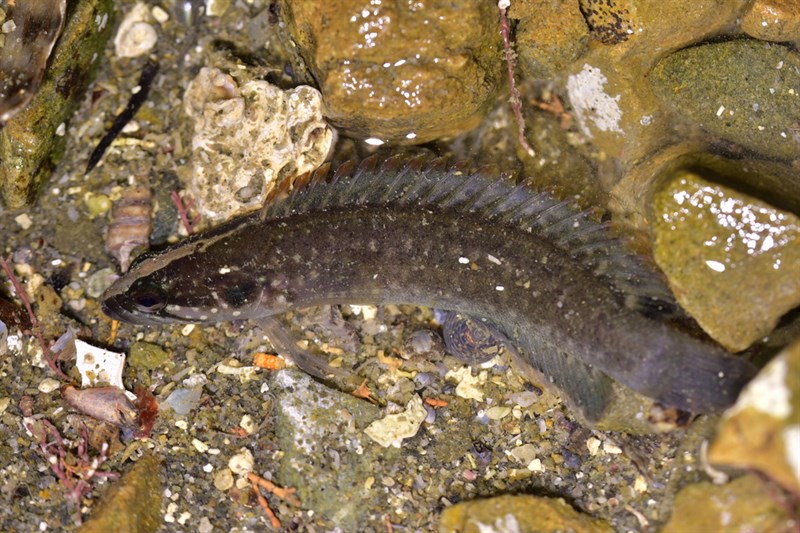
x=422, y=234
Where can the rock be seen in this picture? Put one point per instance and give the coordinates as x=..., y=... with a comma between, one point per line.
x=549, y=36
x=772, y=20
x=741, y=505
x=762, y=431
x=133, y=503
x=610, y=21
x=406, y=73
x=733, y=261
x=249, y=138
x=744, y=91
x=521, y=514
x=320, y=435
x=30, y=145
x=146, y=355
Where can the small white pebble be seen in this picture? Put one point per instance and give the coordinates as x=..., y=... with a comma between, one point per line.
x=248, y=424
x=199, y=445
x=23, y=220
x=48, y=385
x=9, y=26
x=159, y=14
x=182, y=424
x=593, y=445
x=610, y=448
x=208, y=468
x=536, y=466
x=61, y=129
x=242, y=463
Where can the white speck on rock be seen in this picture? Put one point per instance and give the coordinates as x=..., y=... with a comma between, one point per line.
x=593, y=106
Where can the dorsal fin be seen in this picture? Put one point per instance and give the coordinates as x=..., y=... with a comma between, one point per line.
x=437, y=184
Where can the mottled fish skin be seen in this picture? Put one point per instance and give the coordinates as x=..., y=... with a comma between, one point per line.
x=441, y=239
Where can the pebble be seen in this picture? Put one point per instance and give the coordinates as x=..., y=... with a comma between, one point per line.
x=223, y=479
x=242, y=463
x=199, y=445
x=48, y=385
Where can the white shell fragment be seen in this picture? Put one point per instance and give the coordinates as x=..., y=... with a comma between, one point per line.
x=392, y=429
x=249, y=138
x=98, y=366
x=135, y=36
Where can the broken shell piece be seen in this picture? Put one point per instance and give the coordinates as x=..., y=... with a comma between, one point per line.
x=98, y=366
x=392, y=429
x=249, y=138
x=130, y=225
x=108, y=404
x=135, y=36
x=23, y=57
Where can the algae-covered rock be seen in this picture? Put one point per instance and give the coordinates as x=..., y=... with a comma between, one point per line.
x=320, y=434
x=745, y=91
x=133, y=503
x=773, y=20
x=521, y=514
x=733, y=261
x=744, y=504
x=146, y=355
x=550, y=35
x=31, y=143
x=401, y=72
x=762, y=431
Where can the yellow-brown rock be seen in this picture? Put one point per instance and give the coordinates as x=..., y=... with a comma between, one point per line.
x=741, y=505
x=773, y=20
x=732, y=260
x=522, y=514
x=133, y=503
x=401, y=72
x=550, y=35
x=762, y=431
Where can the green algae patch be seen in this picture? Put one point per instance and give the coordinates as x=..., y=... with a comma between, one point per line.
x=32, y=143
x=732, y=260
x=525, y=514
x=745, y=91
x=132, y=504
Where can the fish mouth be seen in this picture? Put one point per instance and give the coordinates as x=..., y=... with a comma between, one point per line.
x=114, y=308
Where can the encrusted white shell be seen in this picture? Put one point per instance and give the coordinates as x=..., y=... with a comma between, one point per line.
x=98, y=366
x=135, y=36
x=248, y=138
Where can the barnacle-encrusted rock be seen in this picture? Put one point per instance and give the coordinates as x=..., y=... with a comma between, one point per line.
x=762, y=431
x=745, y=91
x=135, y=36
x=773, y=20
x=733, y=261
x=32, y=142
x=402, y=72
x=518, y=513
x=248, y=138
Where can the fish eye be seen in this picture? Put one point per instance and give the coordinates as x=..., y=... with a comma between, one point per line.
x=149, y=298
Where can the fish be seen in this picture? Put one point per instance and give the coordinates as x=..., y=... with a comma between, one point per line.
x=578, y=308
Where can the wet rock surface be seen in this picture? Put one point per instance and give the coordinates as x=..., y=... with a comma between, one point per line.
x=399, y=74
x=733, y=261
